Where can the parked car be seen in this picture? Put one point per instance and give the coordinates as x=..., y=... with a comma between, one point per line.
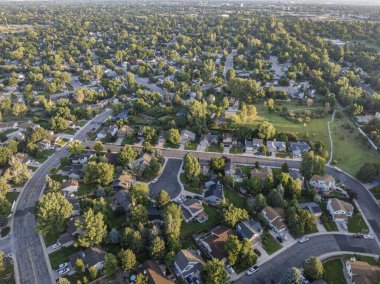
x=358, y=236
x=230, y=269
x=12, y=190
x=154, y=180
x=368, y=236
x=63, y=271
x=198, y=197
x=257, y=252
x=196, y=280
x=279, y=239
x=56, y=245
x=284, y=237
x=303, y=239
x=252, y=270
x=62, y=266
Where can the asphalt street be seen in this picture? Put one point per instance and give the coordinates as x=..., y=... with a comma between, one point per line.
x=168, y=179
x=272, y=270
x=32, y=265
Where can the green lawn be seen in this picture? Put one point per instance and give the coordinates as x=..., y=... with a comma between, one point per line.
x=235, y=198
x=236, y=150
x=112, y=220
x=85, y=189
x=170, y=145
x=214, y=217
x=376, y=191
x=270, y=244
x=12, y=196
x=61, y=255
x=191, y=145
x=333, y=272
x=356, y=224
x=349, y=151
x=195, y=187
x=44, y=156
x=316, y=130
x=329, y=225
x=214, y=148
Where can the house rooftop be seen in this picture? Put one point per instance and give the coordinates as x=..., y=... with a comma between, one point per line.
x=186, y=256
x=340, y=205
x=364, y=273
x=94, y=255
x=215, y=241
x=152, y=270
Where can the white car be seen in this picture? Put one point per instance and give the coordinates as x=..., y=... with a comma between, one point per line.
x=62, y=266
x=56, y=245
x=154, y=180
x=284, y=237
x=252, y=270
x=368, y=236
x=230, y=269
x=63, y=271
x=303, y=239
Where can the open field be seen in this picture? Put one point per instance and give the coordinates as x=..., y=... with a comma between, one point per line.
x=349, y=151
x=333, y=272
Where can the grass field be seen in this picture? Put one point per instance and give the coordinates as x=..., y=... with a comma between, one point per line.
x=333, y=272
x=214, y=217
x=194, y=187
x=235, y=198
x=376, y=191
x=236, y=149
x=61, y=256
x=270, y=244
x=12, y=196
x=349, y=151
x=356, y=224
x=85, y=189
x=316, y=130
x=191, y=146
x=214, y=148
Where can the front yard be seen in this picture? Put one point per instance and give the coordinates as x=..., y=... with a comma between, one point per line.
x=327, y=222
x=270, y=244
x=194, y=187
x=214, y=148
x=214, y=217
x=12, y=196
x=357, y=224
x=236, y=149
x=61, y=256
x=333, y=272
x=85, y=189
x=191, y=145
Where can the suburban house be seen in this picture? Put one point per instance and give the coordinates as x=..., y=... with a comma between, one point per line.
x=70, y=186
x=361, y=272
x=193, y=209
x=250, y=229
x=214, y=192
x=312, y=207
x=142, y=162
x=82, y=158
x=71, y=225
x=276, y=218
x=323, y=183
x=339, y=209
x=297, y=148
x=152, y=270
x=155, y=215
x=76, y=173
x=276, y=146
x=187, y=136
x=205, y=167
x=125, y=130
x=93, y=256
x=22, y=157
x=236, y=173
x=212, y=243
x=208, y=139
x=188, y=263
x=8, y=125
x=124, y=181
x=253, y=145
x=261, y=173
x=229, y=140
x=121, y=199
x=44, y=144
x=295, y=174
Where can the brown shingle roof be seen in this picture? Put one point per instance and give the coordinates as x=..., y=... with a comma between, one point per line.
x=364, y=273
x=338, y=205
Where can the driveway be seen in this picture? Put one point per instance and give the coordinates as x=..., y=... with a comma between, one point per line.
x=168, y=179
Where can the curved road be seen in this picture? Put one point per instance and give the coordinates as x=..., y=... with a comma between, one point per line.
x=272, y=270
x=32, y=265
x=168, y=179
